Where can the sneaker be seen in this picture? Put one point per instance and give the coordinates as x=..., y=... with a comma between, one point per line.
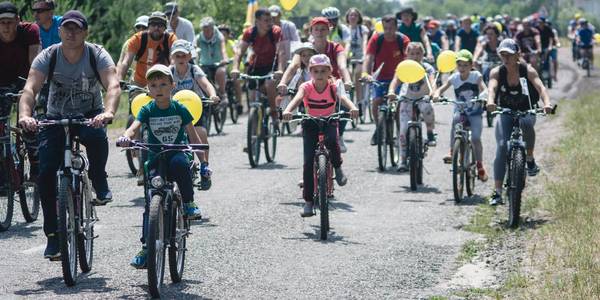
x=191, y=210
x=481, y=173
x=532, y=168
x=52, y=251
x=448, y=158
x=374, y=139
x=431, y=139
x=139, y=260
x=342, y=144
x=307, y=210
x=340, y=178
x=402, y=167
x=205, y=173
x=298, y=131
x=495, y=199
x=102, y=198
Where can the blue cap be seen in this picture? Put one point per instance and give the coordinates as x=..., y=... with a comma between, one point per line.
x=76, y=17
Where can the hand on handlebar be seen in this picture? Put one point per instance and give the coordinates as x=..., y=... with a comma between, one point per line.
x=235, y=74
x=286, y=115
x=354, y=113
x=549, y=109
x=102, y=119
x=366, y=77
x=391, y=96
x=215, y=99
x=28, y=123
x=123, y=141
x=282, y=89
x=277, y=75
x=490, y=107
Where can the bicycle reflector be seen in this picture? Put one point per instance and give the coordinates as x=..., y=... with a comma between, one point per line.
x=157, y=182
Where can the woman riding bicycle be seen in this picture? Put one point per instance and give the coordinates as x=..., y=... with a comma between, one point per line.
x=505, y=89
x=320, y=99
x=358, y=44
x=486, y=50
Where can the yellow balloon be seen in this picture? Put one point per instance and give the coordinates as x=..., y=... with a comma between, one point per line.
x=288, y=4
x=191, y=101
x=410, y=71
x=446, y=61
x=379, y=27
x=139, y=101
x=597, y=37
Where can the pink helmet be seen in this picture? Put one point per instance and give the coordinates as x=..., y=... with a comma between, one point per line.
x=319, y=60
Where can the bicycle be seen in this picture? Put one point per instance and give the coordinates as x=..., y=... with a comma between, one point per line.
x=586, y=63
x=15, y=166
x=217, y=112
x=168, y=228
x=464, y=167
x=261, y=128
x=364, y=105
x=387, y=133
x=515, y=179
x=134, y=158
x=289, y=127
x=486, y=67
x=76, y=211
x=417, y=147
x=546, y=69
x=323, y=168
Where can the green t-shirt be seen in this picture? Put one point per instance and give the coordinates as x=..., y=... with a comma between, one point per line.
x=413, y=31
x=165, y=126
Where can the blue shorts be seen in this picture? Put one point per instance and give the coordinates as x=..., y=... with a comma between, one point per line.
x=554, y=54
x=382, y=89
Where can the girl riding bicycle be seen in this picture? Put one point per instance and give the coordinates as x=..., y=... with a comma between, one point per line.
x=467, y=84
x=320, y=99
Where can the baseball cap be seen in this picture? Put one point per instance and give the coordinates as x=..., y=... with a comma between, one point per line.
x=275, y=10
x=464, y=55
x=171, y=8
x=207, y=22
x=319, y=60
x=508, y=46
x=76, y=17
x=181, y=46
x=8, y=10
x=299, y=47
x=141, y=21
x=157, y=17
x=319, y=20
x=158, y=68
x=43, y=5
x=433, y=24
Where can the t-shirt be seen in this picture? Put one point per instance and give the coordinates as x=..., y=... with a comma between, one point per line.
x=418, y=89
x=184, y=30
x=437, y=37
x=468, y=40
x=413, y=31
x=14, y=56
x=466, y=90
x=188, y=82
x=51, y=36
x=333, y=50
x=586, y=36
x=547, y=36
x=389, y=54
x=526, y=40
x=74, y=88
x=154, y=52
x=166, y=126
x=210, y=49
x=289, y=31
x=263, y=47
x=319, y=104
x=356, y=40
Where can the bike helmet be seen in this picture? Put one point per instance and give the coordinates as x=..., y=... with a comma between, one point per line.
x=330, y=13
x=583, y=21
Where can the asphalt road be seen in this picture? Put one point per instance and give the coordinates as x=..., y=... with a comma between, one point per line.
x=386, y=241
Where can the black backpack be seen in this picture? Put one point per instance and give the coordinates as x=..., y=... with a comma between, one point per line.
x=163, y=56
x=399, y=40
x=93, y=51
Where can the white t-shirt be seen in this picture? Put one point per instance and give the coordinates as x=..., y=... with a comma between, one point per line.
x=356, y=41
x=184, y=31
x=188, y=82
x=418, y=89
x=466, y=90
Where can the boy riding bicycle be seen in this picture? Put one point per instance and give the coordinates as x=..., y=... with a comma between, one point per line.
x=160, y=116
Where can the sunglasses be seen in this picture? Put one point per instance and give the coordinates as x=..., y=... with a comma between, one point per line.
x=39, y=11
x=140, y=27
x=159, y=25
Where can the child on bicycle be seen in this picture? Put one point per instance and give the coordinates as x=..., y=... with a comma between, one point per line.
x=188, y=76
x=161, y=116
x=414, y=91
x=320, y=98
x=467, y=84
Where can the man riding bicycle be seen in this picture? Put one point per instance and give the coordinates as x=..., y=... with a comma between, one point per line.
x=529, y=42
x=77, y=71
x=547, y=40
x=43, y=12
x=585, y=40
x=213, y=52
x=181, y=27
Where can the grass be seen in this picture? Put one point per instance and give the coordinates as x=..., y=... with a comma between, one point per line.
x=120, y=119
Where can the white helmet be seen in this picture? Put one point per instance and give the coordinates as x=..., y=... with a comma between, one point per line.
x=330, y=13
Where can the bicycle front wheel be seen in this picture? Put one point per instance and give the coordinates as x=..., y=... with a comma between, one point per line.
x=67, y=231
x=392, y=141
x=28, y=193
x=516, y=184
x=322, y=194
x=470, y=170
x=7, y=201
x=219, y=115
x=458, y=174
x=382, y=147
x=156, y=246
x=270, y=139
x=179, y=232
x=413, y=157
x=253, y=140
x=132, y=156
x=85, y=240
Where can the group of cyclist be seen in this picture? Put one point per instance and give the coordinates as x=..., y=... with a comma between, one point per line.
x=498, y=60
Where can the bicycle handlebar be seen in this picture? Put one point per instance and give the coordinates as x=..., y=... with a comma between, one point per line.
x=217, y=65
x=256, y=77
x=165, y=147
x=535, y=111
x=67, y=122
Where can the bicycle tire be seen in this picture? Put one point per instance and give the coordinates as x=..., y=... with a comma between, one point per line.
x=458, y=170
x=156, y=246
x=393, y=142
x=413, y=157
x=220, y=115
x=208, y=120
x=129, y=153
x=516, y=183
x=270, y=140
x=322, y=194
x=471, y=170
x=85, y=240
x=179, y=232
x=7, y=200
x=233, y=103
x=252, y=139
x=490, y=119
x=588, y=69
x=361, y=113
x=29, y=196
x=382, y=146
x=67, y=231
x=420, y=156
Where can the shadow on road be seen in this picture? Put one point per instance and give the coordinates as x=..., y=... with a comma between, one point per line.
x=58, y=287
x=466, y=201
x=426, y=189
x=23, y=230
x=168, y=291
x=139, y=201
x=315, y=236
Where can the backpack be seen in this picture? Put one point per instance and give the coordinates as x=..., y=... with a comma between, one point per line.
x=399, y=40
x=93, y=50
x=163, y=56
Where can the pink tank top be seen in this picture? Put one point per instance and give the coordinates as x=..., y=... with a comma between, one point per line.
x=319, y=104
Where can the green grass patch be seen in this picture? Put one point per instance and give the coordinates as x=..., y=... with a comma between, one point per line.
x=482, y=222
x=437, y=298
x=120, y=119
x=479, y=293
x=470, y=250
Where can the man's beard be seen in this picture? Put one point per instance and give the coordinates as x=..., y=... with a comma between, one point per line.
x=156, y=35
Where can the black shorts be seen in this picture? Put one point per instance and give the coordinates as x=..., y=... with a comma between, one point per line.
x=258, y=71
x=210, y=72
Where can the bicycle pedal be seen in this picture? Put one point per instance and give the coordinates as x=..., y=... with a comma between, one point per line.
x=58, y=258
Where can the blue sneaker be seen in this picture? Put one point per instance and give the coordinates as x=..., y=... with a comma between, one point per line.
x=139, y=260
x=52, y=251
x=205, y=173
x=192, y=211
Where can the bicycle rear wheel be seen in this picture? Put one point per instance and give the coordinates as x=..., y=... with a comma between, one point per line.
x=270, y=139
x=219, y=115
x=208, y=109
x=7, y=197
x=413, y=157
x=28, y=192
x=392, y=141
x=156, y=246
x=253, y=140
x=67, y=231
x=233, y=102
x=458, y=174
x=132, y=156
x=179, y=231
x=85, y=240
x=322, y=194
x=382, y=146
x=470, y=170
x=516, y=183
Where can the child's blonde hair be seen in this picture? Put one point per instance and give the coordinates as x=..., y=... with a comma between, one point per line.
x=418, y=45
